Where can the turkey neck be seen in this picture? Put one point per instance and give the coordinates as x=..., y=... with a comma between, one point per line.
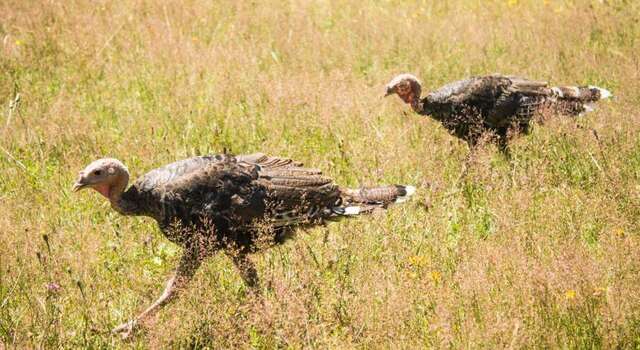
x=426, y=107
x=417, y=105
x=118, y=203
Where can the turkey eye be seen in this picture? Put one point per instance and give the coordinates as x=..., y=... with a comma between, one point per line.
x=97, y=172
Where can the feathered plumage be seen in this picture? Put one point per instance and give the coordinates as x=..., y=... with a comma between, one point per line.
x=232, y=203
x=496, y=103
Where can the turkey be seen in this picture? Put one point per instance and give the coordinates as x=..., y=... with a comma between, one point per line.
x=499, y=104
x=222, y=202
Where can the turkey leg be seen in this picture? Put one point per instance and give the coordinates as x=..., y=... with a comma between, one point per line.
x=187, y=267
x=246, y=268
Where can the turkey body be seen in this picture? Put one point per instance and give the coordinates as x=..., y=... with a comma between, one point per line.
x=221, y=201
x=502, y=105
x=237, y=204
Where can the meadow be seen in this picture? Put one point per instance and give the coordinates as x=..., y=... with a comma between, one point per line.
x=542, y=250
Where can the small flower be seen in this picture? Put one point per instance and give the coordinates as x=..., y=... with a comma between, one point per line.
x=19, y=42
x=417, y=260
x=570, y=294
x=52, y=287
x=619, y=232
x=599, y=291
x=436, y=276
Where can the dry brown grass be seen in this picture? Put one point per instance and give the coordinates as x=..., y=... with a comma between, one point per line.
x=542, y=251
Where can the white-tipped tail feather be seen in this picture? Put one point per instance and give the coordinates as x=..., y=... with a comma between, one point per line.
x=588, y=108
x=604, y=93
x=366, y=200
x=409, y=191
x=557, y=91
x=351, y=211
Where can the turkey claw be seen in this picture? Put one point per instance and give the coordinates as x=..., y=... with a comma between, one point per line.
x=126, y=329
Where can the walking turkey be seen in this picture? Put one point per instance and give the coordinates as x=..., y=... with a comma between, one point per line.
x=498, y=104
x=222, y=202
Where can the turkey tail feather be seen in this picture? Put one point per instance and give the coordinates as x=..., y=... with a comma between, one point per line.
x=581, y=93
x=364, y=200
x=576, y=100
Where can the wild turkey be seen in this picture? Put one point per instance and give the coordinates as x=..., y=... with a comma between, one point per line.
x=495, y=103
x=209, y=203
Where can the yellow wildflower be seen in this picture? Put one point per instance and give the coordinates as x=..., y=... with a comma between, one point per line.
x=619, y=232
x=570, y=294
x=417, y=260
x=436, y=277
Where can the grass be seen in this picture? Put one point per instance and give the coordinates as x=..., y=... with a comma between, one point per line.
x=540, y=251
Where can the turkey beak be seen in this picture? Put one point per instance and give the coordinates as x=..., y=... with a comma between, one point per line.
x=389, y=92
x=80, y=184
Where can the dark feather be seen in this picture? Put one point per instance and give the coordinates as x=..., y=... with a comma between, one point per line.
x=224, y=199
x=500, y=104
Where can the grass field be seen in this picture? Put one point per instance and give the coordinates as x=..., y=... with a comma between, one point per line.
x=539, y=251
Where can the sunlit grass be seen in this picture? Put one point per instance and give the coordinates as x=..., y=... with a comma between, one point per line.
x=538, y=251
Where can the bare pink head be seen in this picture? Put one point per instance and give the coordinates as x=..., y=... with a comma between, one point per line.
x=407, y=86
x=108, y=176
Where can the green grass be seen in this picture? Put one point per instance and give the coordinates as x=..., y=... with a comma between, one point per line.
x=539, y=251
